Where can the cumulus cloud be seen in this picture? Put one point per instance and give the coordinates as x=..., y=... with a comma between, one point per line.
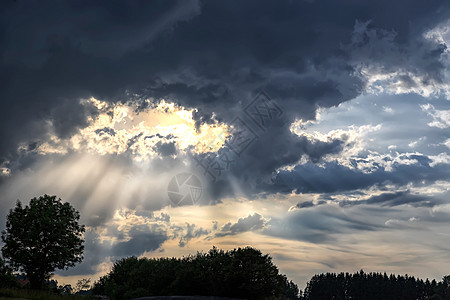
x=250, y=223
x=380, y=59
x=441, y=118
x=332, y=177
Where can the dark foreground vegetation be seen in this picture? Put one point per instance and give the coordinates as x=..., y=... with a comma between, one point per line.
x=240, y=273
x=42, y=237
x=375, y=286
x=38, y=295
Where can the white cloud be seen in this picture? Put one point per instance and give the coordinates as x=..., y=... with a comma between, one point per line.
x=416, y=142
x=120, y=128
x=437, y=188
x=379, y=80
x=441, y=118
x=356, y=153
x=5, y=171
x=441, y=158
x=384, y=66
x=354, y=138
x=447, y=143
x=388, y=109
x=440, y=34
x=387, y=162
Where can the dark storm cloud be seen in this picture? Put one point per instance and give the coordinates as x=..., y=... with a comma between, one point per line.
x=277, y=146
x=106, y=130
x=166, y=149
x=396, y=199
x=332, y=177
x=307, y=204
x=104, y=29
x=389, y=199
x=68, y=116
x=214, y=56
x=209, y=55
x=53, y=53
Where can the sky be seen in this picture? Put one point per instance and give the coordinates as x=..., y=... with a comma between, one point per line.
x=315, y=131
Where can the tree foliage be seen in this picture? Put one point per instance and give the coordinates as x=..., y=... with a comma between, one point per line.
x=41, y=237
x=240, y=273
x=83, y=285
x=370, y=286
x=7, y=279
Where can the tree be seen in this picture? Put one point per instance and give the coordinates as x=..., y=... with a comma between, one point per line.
x=82, y=285
x=42, y=237
x=239, y=273
x=370, y=286
x=65, y=289
x=6, y=277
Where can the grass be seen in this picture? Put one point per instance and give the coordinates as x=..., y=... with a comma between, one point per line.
x=35, y=295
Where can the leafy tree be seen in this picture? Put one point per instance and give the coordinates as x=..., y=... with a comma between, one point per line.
x=7, y=278
x=242, y=273
x=443, y=288
x=42, y=237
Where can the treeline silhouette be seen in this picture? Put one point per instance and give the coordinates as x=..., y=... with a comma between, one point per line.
x=374, y=286
x=239, y=273
x=248, y=274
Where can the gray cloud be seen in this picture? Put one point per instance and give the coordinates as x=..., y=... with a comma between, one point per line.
x=321, y=225
x=166, y=149
x=337, y=178
x=308, y=204
x=395, y=199
x=59, y=62
x=95, y=253
x=249, y=223
x=192, y=231
x=300, y=60
x=215, y=58
x=388, y=199
x=142, y=240
x=136, y=241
